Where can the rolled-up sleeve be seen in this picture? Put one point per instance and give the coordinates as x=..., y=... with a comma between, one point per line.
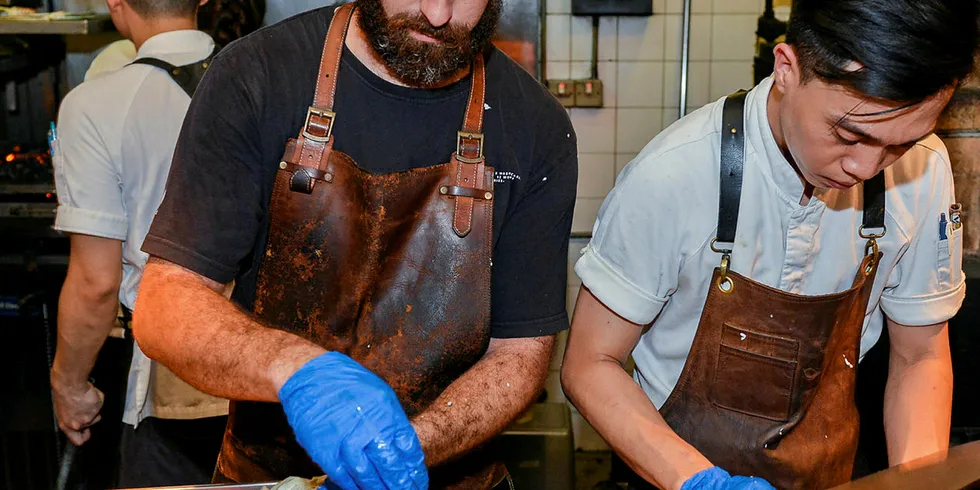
x=930, y=282
x=632, y=264
x=90, y=199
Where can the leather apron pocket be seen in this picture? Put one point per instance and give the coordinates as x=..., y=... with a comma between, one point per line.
x=756, y=373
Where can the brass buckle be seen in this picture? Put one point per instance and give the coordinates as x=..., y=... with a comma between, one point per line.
x=724, y=283
x=463, y=135
x=321, y=113
x=717, y=250
x=872, y=236
x=871, y=250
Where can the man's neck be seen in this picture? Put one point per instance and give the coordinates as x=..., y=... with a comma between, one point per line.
x=141, y=31
x=775, y=124
x=358, y=43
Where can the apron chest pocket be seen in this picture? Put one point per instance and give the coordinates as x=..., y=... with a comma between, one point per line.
x=756, y=373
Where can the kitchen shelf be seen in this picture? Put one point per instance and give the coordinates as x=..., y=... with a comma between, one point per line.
x=69, y=25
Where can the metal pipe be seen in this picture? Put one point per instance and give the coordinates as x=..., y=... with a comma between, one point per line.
x=685, y=56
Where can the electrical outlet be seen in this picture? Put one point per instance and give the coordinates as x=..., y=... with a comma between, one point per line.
x=588, y=93
x=564, y=91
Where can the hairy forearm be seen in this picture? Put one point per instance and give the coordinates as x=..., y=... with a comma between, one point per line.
x=483, y=401
x=183, y=322
x=918, y=401
x=629, y=422
x=86, y=315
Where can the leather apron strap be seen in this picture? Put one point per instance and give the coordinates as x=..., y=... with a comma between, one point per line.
x=732, y=167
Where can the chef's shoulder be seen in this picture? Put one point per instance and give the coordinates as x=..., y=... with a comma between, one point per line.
x=920, y=185
x=104, y=100
x=679, y=166
x=528, y=111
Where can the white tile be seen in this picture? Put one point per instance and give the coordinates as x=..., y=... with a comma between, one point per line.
x=581, y=69
x=636, y=127
x=622, y=160
x=595, y=174
x=729, y=76
x=608, y=73
x=700, y=37
x=586, y=211
x=733, y=36
x=698, y=83
x=640, y=84
x=557, y=70
x=586, y=438
x=608, y=37
x=659, y=7
x=671, y=115
x=558, y=6
x=641, y=38
x=559, y=37
x=596, y=129
x=739, y=7
x=581, y=38
x=697, y=6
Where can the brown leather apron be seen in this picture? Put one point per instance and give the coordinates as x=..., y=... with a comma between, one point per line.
x=768, y=388
x=390, y=269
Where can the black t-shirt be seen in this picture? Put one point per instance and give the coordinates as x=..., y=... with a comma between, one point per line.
x=214, y=218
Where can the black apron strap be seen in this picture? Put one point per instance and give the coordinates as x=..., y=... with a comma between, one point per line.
x=874, y=203
x=732, y=162
x=188, y=77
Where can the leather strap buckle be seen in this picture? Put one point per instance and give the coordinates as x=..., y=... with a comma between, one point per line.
x=469, y=147
x=319, y=124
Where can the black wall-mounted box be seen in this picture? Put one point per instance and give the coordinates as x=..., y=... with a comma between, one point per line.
x=612, y=7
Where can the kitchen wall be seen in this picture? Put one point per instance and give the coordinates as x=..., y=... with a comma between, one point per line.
x=639, y=64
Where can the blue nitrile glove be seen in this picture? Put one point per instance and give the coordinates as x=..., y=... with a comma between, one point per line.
x=719, y=479
x=351, y=424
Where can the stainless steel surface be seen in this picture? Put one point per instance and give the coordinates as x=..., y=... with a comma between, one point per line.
x=685, y=56
x=92, y=25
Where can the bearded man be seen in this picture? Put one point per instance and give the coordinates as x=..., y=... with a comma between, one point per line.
x=388, y=198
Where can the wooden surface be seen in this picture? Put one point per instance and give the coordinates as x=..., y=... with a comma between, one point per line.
x=957, y=469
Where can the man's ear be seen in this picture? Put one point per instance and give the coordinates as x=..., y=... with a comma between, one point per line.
x=787, y=72
x=114, y=5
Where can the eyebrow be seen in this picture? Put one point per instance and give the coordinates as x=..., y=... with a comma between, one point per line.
x=852, y=128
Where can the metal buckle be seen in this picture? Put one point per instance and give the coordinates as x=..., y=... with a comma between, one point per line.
x=872, y=236
x=321, y=113
x=720, y=250
x=463, y=135
x=724, y=283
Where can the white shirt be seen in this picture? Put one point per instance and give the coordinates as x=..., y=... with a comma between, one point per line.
x=112, y=57
x=116, y=138
x=649, y=259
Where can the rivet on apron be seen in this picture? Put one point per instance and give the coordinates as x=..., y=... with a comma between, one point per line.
x=443, y=190
x=328, y=177
x=810, y=373
x=204, y=65
x=734, y=131
x=488, y=196
x=282, y=165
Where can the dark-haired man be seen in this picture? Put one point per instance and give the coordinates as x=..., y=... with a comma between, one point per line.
x=796, y=221
x=117, y=134
x=360, y=233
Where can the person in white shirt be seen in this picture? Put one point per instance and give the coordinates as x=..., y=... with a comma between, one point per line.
x=750, y=255
x=116, y=138
x=111, y=58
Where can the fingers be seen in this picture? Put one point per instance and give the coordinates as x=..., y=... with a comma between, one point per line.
x=339, y=477
x=396, y=468
x=77, y=437
x=363, y=470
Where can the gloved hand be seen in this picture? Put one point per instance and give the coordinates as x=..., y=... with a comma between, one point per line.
x=719, y=479
x=351, y=424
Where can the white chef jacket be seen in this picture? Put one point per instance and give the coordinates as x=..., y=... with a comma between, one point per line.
x=116, y=137
x=650, y=261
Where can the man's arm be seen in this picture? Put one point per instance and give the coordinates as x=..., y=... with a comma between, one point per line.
x=486, y=399
x=919, y=392
x=182, y=320
x=86, y=313
x=595, y=381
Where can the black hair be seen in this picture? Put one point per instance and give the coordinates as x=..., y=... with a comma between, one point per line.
x=908, y=49
x=164, y=8
x=228, y=20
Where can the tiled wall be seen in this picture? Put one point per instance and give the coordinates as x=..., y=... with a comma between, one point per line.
x=639, y=64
